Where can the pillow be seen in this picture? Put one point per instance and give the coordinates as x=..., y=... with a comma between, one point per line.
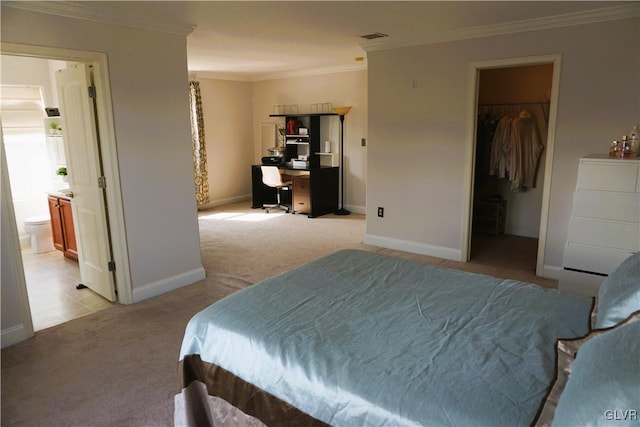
x=593, y=314
x=566, y=351
x=619, y=293
x=603, y=388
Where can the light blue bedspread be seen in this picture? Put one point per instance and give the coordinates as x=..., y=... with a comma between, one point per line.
x=362, y=339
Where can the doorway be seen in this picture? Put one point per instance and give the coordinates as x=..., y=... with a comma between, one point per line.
x=112, y=194
x=508, y=204
x=511, y=134
x=35, y=153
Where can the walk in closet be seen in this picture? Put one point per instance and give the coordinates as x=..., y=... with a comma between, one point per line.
x=511, y=139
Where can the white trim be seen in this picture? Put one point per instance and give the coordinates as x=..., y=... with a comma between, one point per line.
x=14, y=335
x=95, y=13
x=277, y=75
x=551, y=271
x=168, y=284
x=548, y=167
x=112, y=176
x=356, y=209
x=474, y=68
x=413, y=247
x=109, y=147
x=534, y=24
x=229, y=200
x=24, y=329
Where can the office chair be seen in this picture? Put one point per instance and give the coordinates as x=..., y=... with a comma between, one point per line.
x=271, y=177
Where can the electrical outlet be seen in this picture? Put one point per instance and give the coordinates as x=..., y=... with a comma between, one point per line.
x=380, y=211
x=363, y=142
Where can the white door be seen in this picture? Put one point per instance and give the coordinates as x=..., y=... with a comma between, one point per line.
x=84, y=171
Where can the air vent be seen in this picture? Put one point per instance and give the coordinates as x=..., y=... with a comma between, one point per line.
x=374, y=36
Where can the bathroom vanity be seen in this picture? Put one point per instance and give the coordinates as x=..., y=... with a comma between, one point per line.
x=64, y=236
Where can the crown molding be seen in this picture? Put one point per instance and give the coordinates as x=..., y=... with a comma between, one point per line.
x=87, y=12
x=535, y=24
x=275, y=76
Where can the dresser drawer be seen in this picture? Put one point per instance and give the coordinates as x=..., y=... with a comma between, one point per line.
x=607, y=205
x=593, y=259
x=623, y=236
x=608, y=175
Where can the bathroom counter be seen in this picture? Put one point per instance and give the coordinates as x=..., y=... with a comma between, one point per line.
x=62, y=194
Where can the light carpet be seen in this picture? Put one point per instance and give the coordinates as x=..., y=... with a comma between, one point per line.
x=117, y=367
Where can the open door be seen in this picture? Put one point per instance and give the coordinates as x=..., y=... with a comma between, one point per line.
x=85, y=175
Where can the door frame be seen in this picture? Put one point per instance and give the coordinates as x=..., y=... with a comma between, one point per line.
x=106, y=130
x=472, y=108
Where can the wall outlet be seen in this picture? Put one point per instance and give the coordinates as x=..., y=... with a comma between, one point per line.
x=363, y=142
x=380, y=212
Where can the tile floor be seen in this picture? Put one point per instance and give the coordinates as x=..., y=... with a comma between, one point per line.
x=51, y=285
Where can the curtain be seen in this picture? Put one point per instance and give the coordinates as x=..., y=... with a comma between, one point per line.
x=201, y=176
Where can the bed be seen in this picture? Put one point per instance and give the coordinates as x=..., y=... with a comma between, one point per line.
x=358, y=338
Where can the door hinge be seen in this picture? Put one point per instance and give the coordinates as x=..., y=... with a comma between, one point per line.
x=112, y=265
x=102, y=182
x=92, y=91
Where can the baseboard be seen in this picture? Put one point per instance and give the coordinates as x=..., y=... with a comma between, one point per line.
x=13, y=335
x=413, y=247
x=356, y=209
x=169, y=284
x=551, y=271
x=227, y=201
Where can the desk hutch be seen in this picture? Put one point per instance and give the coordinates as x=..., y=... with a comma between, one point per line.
x=315, y=187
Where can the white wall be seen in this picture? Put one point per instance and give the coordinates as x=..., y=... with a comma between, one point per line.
x=148, y=78
x=418, y=136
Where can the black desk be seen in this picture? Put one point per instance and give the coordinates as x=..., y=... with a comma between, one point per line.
x=323, y=191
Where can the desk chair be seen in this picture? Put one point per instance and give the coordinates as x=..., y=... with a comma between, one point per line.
x=271, y=177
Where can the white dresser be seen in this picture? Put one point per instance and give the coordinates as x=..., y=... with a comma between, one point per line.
x=604, y=228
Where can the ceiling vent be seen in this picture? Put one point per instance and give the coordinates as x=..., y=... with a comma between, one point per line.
x=374, y=36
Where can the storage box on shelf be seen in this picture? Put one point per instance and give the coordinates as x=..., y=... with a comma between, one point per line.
x=489, y=216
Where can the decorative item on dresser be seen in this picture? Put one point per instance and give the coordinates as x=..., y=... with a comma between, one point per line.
x=604, y=228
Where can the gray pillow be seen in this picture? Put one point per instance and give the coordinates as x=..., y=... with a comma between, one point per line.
x=566, y=352
x=604, y=385
x=619, y=293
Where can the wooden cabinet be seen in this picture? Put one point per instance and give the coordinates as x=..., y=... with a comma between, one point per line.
x=64, y=236
x=301, y=194
x=489, y=216
x=604, y=228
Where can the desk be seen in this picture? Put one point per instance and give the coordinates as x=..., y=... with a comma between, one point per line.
x=321, y=191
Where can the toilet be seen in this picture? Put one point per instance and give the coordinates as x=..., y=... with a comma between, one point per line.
x=39, y=227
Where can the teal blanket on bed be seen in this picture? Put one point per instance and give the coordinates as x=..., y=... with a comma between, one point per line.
x=363, y=339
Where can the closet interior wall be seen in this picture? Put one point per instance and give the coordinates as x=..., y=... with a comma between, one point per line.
x=508, y=92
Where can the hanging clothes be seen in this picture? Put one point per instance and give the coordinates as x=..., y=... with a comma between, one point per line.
x=516, y=147
x=501, y=149
x=526, y=149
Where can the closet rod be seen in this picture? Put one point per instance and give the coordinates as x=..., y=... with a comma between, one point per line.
x=515, y=103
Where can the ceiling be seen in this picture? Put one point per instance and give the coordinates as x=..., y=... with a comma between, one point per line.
x=265, y=39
